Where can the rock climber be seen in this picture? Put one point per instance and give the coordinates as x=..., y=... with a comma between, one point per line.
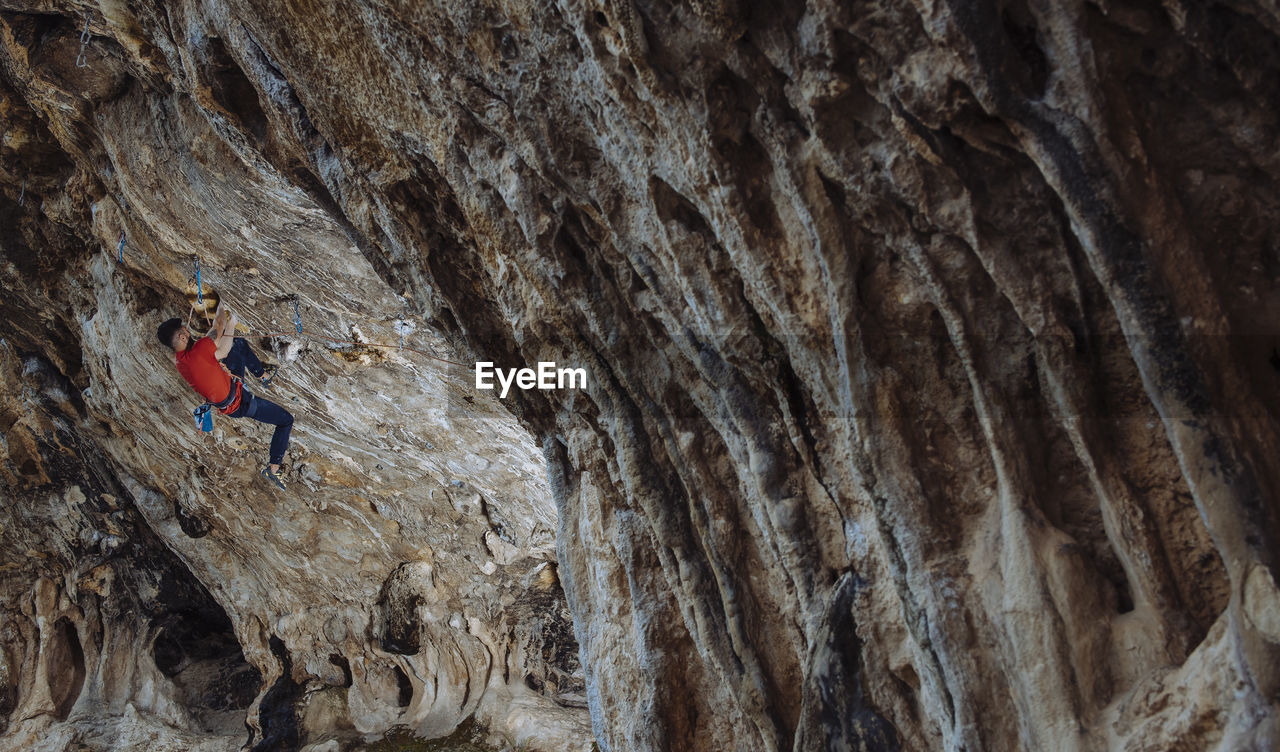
x=198, y=362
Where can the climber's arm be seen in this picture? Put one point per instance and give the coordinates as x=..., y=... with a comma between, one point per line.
x=223, y=331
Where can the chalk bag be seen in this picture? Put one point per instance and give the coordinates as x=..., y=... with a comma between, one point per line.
x=204, y=417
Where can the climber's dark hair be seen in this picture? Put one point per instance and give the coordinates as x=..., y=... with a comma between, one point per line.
x=166, y=332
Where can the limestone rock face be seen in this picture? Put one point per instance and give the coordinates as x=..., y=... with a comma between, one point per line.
x=390, y=586
x=931, y=352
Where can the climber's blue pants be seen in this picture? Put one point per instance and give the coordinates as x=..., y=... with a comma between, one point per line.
x=252, y=406
x=266, y=411
x=241, y=355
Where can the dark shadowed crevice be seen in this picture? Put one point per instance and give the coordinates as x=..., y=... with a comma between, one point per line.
x=401, y=626
x=673, y=206
x=837, y=714
x=199, y=652
x=232, y=90
x=277, y=714
x=65, y=663
x=1033, y=75
x=196, y=647
x=342, y=663
x=742, y=160
x=404, y=688
x=8, y=701
x=193, y=526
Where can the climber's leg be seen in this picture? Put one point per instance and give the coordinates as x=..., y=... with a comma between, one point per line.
x=241, y=357
x=266, y=411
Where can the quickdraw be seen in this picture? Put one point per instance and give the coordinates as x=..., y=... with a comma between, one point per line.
x=82, y=61
x=199, y=290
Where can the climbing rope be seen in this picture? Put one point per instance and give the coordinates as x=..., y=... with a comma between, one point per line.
x=120, y=253
x=82, y=61
x=353, y=343
x=299, y=331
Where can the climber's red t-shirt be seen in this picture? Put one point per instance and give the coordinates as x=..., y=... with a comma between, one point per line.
x=199, y=365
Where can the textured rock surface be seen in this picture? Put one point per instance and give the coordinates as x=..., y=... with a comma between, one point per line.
x=930, y=406
x=391, y=586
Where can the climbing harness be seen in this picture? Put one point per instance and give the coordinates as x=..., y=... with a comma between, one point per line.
x=121, y=250
x=232, y=402
x=81, y=60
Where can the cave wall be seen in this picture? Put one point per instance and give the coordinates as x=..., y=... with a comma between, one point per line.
x=407, y=579
x=930, y=344
x=100, y=619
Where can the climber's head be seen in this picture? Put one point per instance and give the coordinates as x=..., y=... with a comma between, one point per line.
x=174, y=335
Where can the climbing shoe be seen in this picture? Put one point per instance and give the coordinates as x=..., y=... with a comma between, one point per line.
x=268, y=374
x=275, y=479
